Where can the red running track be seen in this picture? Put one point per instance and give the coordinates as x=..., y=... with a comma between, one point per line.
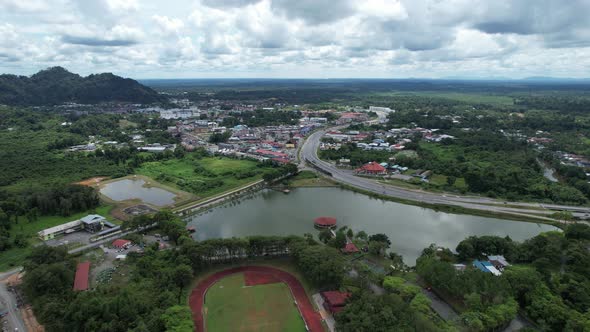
x=310, y=316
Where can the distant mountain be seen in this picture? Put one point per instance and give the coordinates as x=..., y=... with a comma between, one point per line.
x=56, y=85
x=556, y=79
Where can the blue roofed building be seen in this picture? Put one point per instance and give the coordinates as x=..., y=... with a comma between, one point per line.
x=478, y=265
x=486, y=267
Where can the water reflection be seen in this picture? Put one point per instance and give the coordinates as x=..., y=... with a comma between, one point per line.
x=410, y=228
x=135, y=189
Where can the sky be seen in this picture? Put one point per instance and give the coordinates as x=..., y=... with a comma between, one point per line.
x=298, y=38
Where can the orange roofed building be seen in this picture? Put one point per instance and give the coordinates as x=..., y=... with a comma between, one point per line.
x=372, y=168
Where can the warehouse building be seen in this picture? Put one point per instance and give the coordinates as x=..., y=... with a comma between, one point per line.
x=91, y=223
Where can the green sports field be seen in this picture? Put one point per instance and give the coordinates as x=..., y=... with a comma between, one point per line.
x=231, y=306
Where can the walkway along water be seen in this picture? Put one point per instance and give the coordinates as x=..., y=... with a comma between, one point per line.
x=199, y=205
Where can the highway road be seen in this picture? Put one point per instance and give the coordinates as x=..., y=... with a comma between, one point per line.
x=518, y=209
x=15, y=322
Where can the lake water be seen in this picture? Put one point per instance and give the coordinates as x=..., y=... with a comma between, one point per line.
x=410, y=228
x=135, y=189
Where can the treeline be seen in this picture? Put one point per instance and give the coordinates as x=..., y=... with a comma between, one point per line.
x=549, y=280
x=565, y=104
x=366, y=311
x=62, y=201
x=25, y=158
x=493, y=165
x=573, y=176
x=278, y=172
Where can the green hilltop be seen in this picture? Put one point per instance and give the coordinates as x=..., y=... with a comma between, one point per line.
x=56, y=85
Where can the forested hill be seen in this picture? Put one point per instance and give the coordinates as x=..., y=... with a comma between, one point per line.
x=56, y=85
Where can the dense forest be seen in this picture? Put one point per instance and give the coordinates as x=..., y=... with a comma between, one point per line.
x=62, y=200
x=57, y=86
x=252, y=87
x=549, y=280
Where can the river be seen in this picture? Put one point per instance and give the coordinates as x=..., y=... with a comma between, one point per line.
x=410, y=228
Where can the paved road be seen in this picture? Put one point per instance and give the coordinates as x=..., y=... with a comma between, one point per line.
x=309, y=153
x=443, y=309
x=9, y=301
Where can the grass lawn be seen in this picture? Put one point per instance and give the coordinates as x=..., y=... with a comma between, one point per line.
x=309, y=179
x=180, y=173
x=230, y=306
x=15, y=256
x=442, y=152
x=49, y=221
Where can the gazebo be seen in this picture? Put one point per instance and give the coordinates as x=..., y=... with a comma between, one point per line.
x=325, y=222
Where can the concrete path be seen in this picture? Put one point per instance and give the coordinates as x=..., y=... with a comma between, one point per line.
x=517, y=324
x=326, y=315
x=444, y=310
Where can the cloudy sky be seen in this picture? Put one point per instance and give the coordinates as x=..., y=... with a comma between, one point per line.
x=298, y=38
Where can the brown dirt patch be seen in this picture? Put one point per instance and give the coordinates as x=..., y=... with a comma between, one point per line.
x=92, y=181
x=30, y=320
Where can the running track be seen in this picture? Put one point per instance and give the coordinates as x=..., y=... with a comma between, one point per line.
x=310, y=316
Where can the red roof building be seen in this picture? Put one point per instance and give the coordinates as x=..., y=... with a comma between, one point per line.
x=325, y=222
x=120, y=243
x=81, y=278
x=350, y=248
x=372, y=168
x=334, y=301
x=360, y=137
x=271, y=154
x=281, y=161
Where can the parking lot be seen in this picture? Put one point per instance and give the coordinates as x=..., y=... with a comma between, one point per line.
x=79, y=237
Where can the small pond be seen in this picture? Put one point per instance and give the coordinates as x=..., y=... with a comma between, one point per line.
x=137, y=189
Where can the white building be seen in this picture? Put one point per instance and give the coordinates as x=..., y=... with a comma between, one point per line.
x=378, y=109
x=177, y=113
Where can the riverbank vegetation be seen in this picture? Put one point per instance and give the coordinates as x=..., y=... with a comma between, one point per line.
x=309, y=179
x=548, y=280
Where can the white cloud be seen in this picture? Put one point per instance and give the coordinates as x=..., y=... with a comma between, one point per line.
x=30, y=6
x=382, y=9
x=302, y=38
x=123, y=5
x=168, y=25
